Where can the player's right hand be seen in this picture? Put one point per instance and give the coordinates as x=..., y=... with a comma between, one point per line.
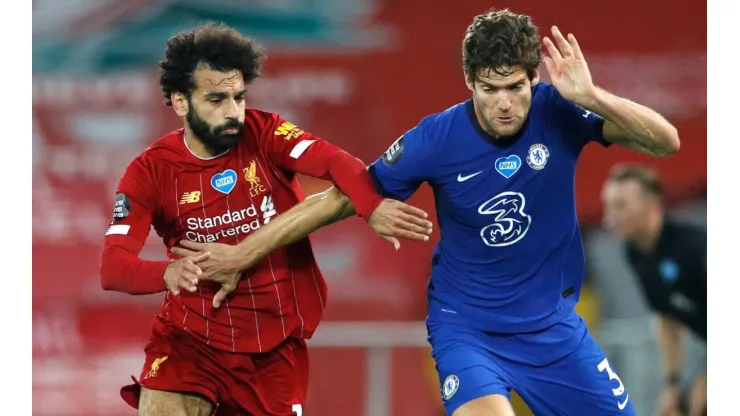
x=393, y=219
x=184, y=273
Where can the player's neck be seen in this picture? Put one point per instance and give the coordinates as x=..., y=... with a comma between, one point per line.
x=648, y=239
x=196, y=146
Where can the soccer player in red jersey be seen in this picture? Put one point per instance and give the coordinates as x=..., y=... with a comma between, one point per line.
x=227, y=173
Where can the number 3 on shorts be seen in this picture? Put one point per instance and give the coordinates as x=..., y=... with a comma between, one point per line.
x=298, y=409
x=604, y=365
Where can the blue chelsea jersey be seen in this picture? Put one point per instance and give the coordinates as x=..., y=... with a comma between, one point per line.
x=510, y=251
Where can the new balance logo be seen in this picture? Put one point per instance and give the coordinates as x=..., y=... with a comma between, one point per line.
x=190, y=197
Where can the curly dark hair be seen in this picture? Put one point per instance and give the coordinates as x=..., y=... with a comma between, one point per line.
x=216, y=45
x=500, y=40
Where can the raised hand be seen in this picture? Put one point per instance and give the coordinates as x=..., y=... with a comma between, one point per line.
x=567, y=67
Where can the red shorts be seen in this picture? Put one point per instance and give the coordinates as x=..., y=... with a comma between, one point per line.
x=260, y=384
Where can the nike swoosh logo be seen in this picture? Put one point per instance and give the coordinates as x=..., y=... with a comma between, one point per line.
x=623, y=404
x=461, y=178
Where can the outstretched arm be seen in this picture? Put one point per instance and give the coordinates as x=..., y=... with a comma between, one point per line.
x=314, y=212
x=395, y=220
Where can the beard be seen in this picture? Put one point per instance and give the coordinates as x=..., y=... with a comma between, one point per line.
x=214, y=137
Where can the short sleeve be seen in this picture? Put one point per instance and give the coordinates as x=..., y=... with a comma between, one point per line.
x=400, y=171
x=135, y=205
x=580, y=126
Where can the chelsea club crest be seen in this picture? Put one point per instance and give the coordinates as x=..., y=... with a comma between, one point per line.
x=537, y=157
x=449, y=387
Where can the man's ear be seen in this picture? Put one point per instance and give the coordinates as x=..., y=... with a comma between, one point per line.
x=180, y=103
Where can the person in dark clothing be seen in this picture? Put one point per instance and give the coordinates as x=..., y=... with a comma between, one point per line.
x=669, y=259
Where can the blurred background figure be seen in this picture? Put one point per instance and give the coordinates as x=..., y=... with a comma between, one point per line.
x=669, y=258
x=359, y=73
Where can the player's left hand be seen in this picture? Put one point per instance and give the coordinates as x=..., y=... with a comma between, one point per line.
x=568, y=69
x=221, y=267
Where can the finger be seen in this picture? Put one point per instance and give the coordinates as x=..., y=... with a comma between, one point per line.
x=419, y=222
x=410, y=209
x=175, y=289
x=189, y=276
x=550, y=66
x=189, y=266
x=185, y=284
x=195, y=246
x=408, y=235
x=402, y=226
x=576, y=47
x=183, y=252
x=563, y=44
x=221, y=295
x=392, y=240
x=552, y=50
x=201, y=257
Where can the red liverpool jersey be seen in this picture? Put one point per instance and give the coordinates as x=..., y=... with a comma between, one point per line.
x=223, y=199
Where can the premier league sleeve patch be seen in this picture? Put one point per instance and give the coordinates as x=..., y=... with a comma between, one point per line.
x=121, y=208
x=394, y=153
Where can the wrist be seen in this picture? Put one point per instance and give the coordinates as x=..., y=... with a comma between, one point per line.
x=247, y=252
x=367, y=206
x=595, y=101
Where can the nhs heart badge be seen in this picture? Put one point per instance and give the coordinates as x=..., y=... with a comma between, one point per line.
x=224, y=182
x=508, y=166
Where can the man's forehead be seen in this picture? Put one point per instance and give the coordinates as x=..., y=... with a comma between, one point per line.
x=210, y=80
x=625, y=187
x=505, y=75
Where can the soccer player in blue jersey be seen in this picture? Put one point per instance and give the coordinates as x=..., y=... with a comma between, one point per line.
x=508, y=269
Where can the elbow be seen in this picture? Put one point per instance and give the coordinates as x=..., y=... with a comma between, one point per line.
x=107, y=278
x=338, y=198
x=672, y=144
x=337, y=205
x=111, y=268
x=341, y=203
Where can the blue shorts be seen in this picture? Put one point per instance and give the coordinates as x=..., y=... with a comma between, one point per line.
x=559, y=371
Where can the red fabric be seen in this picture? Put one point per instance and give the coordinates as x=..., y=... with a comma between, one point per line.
x=297, y=151
x=268, y=384
x=177, y=193
x=120, y=268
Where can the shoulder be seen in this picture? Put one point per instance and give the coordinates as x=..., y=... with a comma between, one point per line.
x=255, y=115
x=434, y=129
x=268, y=124
x=168, y=147
x=546, y=97
x=688, y=236
x=544, y=92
